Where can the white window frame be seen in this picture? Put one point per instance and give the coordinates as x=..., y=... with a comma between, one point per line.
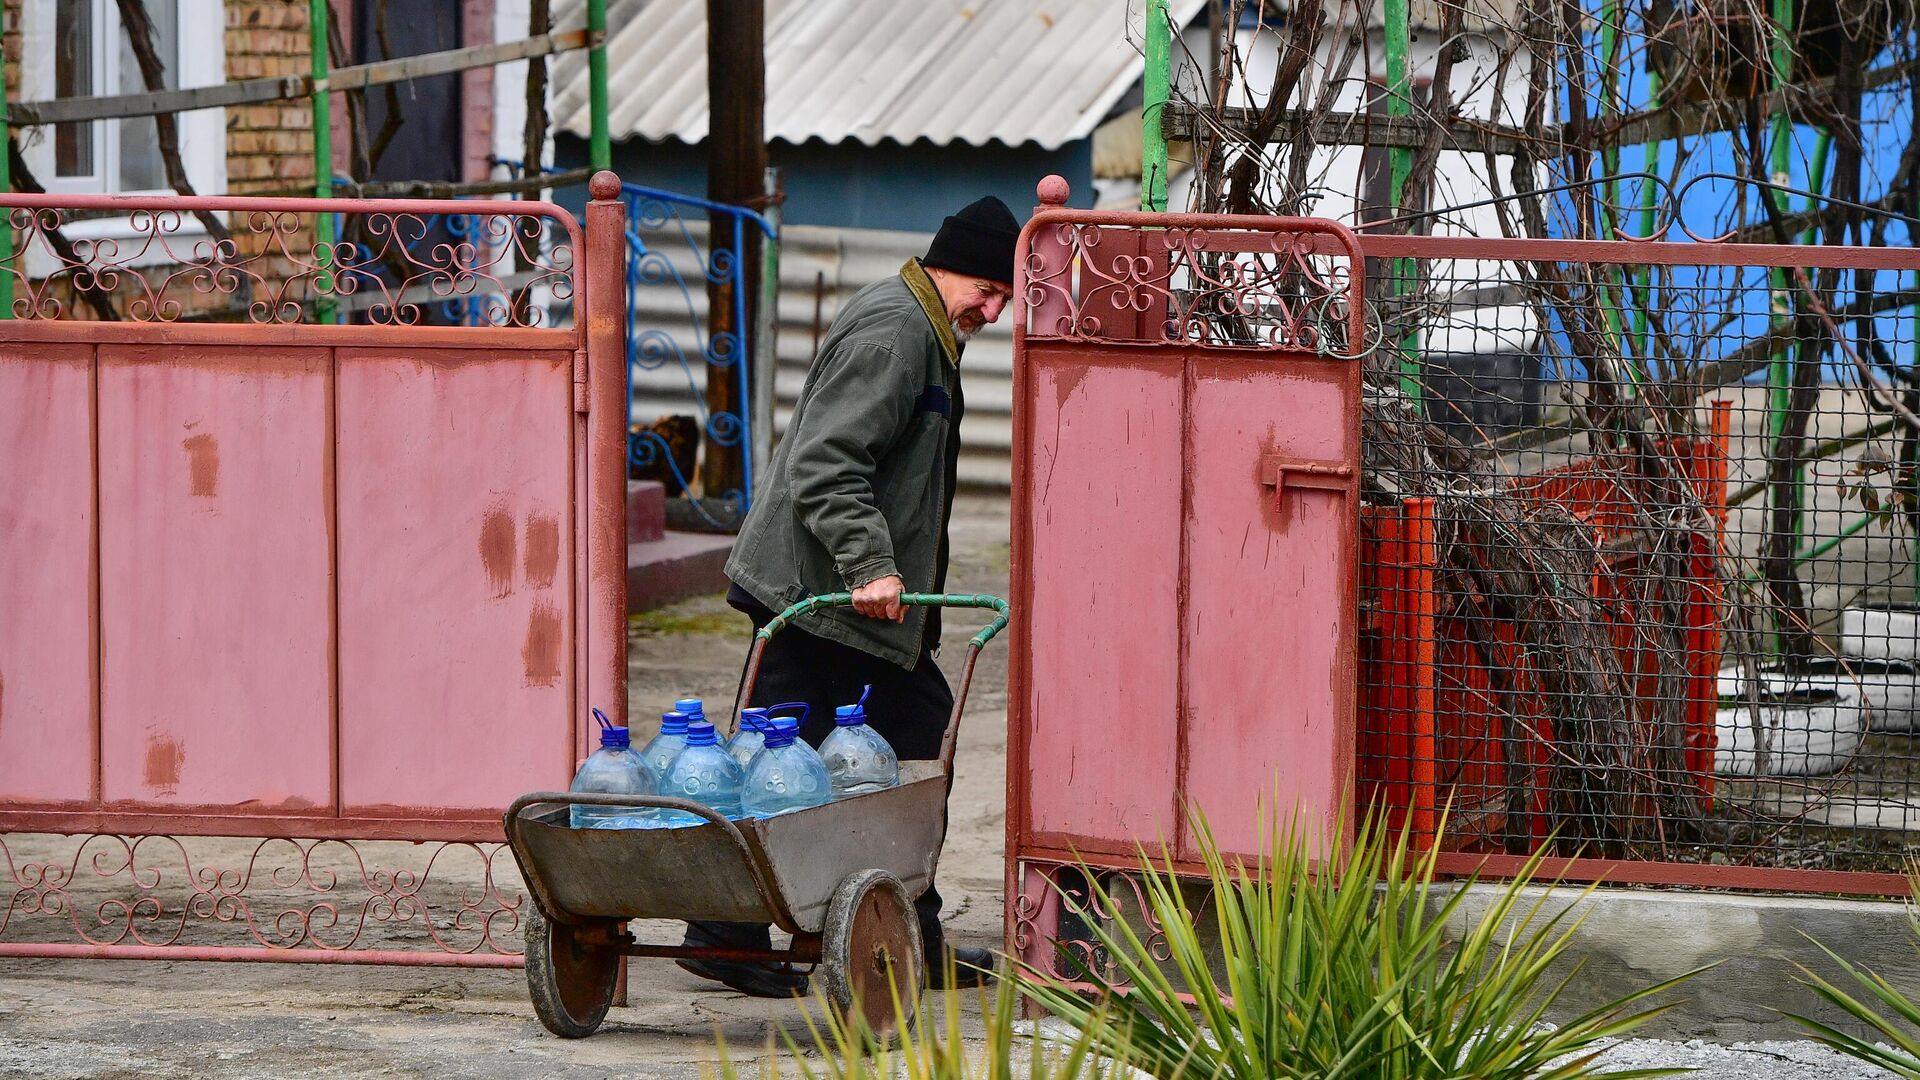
x=202, y=133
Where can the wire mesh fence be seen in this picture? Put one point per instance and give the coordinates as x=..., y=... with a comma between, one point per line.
x=1639, y=563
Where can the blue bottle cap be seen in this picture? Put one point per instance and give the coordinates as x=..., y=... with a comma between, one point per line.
x=781, y=732
x=611, y=736
x=700, y=733
x=856, y=713
x=692, y=706
x=753, y=719
x=673, y=723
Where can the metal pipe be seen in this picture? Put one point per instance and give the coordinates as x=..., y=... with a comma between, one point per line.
x=606, y=478
x=744, y=440
x=317, y=18
x=57, y=951
x=1779, y=375
x=6, y=186
x=1399, y=167
x=766, y=331
x=600, y=148
x=1154, y=93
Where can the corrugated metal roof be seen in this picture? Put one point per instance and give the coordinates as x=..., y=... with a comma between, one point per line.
x=974, y=71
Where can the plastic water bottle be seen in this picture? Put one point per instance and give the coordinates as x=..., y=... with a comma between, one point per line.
x=858, y=757
x=750, y=738
x=693, y=707
x=614, y=769
x=705, y=774
x=786, y=775
x=667, y=745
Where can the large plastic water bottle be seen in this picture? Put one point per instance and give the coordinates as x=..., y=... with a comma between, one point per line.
x=667, y=745
x=750, y=738
x=858, y=758
x=614, y=769
x=754, y=724
x=704, y=773
x=786, y=775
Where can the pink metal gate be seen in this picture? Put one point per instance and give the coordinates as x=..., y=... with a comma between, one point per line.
x=1184, y=538
x=321, y=575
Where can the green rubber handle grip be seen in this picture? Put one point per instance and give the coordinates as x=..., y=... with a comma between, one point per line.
x=954, y=600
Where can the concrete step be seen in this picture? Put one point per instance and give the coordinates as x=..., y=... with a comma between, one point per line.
x=646, y=511
x=674, y=567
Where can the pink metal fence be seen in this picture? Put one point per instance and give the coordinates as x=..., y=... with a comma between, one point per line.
x=1184, y=540
x=310, y=582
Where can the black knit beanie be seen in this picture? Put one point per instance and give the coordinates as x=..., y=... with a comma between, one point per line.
x=978, y=241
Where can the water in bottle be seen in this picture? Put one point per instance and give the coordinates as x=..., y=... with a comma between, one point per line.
x=614, y=769
x=786, y=775
x=705, y=774
x=858, y=757
x=750, y=738
x=667, y=745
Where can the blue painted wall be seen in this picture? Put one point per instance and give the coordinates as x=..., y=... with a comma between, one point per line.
x=866, y=187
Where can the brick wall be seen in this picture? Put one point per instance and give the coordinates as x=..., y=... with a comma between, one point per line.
x=269, y=146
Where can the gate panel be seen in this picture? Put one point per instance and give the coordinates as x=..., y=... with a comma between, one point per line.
x=456, y=577
x=1185, y=488
x=1103, y=484
x=1269, y=648
x=286, y=555
x=215, y=568
x=46, y=512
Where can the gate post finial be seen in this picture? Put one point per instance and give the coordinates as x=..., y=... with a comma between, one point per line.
x=605, y=186
x=1053, y=191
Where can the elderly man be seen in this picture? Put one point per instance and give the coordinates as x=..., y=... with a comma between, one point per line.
x=858, y=499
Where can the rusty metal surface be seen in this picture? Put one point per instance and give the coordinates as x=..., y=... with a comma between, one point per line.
x=781, y=870
x=1184, y=538
x=293, y=582
x=1191, y=631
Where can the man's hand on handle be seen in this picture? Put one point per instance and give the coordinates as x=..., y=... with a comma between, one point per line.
x=880, y=599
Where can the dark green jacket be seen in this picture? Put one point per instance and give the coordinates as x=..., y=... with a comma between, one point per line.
x=860, y=487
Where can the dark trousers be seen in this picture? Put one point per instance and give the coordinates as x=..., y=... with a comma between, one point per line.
x=910, y=709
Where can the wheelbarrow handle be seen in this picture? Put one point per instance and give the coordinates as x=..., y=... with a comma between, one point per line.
x=1003, y=614
x=953, y=600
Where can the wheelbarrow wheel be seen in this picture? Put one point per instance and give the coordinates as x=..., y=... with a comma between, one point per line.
x=571, y=982
x=870, y=955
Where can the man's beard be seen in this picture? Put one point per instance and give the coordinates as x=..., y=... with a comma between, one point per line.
x=964, y=334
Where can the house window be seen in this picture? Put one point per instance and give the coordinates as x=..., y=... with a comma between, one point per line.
x=78, y=48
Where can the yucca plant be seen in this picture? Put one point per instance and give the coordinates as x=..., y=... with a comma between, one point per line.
x=1899, y=1053
x=844, y=1048
x=1325, y=974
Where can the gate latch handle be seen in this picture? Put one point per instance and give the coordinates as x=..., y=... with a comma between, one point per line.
x=1280, y=472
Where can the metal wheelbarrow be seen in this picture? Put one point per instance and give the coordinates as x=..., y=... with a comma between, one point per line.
x=840, y=878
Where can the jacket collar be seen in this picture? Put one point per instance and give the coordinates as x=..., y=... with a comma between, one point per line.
x=925, y=291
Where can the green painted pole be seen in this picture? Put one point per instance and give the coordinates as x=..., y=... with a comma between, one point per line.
x=1155, y=88
x=317, y=18
x=1779, y=375
x=600, y=146
x=1609, y=107
x=1649, y=164
x=1400, y=166
x=7, y=269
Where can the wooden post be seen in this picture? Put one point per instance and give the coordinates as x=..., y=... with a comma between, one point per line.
x=736, y=175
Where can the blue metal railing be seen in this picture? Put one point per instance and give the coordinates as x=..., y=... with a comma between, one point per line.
x=651, y=211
